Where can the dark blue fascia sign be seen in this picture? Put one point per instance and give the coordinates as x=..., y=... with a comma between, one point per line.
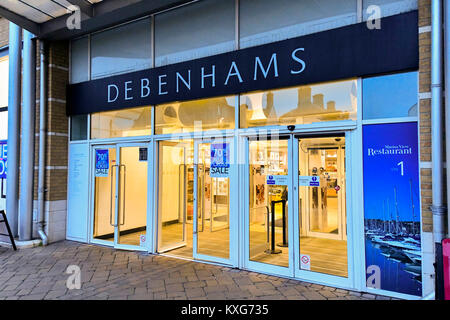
x=342, y=53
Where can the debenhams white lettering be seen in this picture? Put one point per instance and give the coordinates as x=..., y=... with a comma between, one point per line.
x=261, y=69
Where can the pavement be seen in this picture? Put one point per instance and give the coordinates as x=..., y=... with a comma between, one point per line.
x=108, y=274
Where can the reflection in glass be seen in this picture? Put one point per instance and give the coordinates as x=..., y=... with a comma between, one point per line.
x=175, y=197
x=213, y=208
x=120, y=50
x=198, y=30
x=390, y=96
x=300, y=105
x=104, y=205
x=121, y=123
x=268, y=220
x=265, y=21
x=322, y=211
x=79, y=60
x=195, y=115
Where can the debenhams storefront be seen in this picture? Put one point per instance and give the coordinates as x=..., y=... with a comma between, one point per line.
x=275, y=138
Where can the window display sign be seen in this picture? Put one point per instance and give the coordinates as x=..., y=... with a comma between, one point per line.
x=277, y=180
x=220, y=160
x=3, y=157
x=392, y=207
x=101, y=162
x=309, y=181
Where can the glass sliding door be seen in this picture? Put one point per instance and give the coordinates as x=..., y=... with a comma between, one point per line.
x=120, y=195
x=175, y=197
x=296, y=220
x=212, y=203
x=132, y=194
x=104, y=194
x=321, y=203
x=269, y=217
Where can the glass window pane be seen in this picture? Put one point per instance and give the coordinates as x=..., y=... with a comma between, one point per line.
x=78, y=127
x=121, y=50
x=195, y=115
x=388, y=7
x=390, y=96
x=265, y=21
x=121, y=123
x=300, y=105
x=79, y=66
x=194, y=31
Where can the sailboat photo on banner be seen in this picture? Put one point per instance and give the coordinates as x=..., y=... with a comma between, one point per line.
x=392, y=207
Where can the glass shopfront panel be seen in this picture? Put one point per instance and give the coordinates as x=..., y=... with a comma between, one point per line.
x=265, y=21
x=330, y=101
x=198, y=30
x=78, y=127
x=121, y=50
x=390, y=96
x=121, y=123
x=79, y=60
x=195, y=115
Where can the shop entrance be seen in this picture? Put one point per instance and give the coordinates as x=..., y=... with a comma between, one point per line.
x=120, y=195
x=194, y=199
x=297, y=206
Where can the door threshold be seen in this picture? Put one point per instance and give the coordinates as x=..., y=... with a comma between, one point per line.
x=194, y=260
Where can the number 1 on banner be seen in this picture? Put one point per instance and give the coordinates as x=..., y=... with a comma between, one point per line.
x=401, y=167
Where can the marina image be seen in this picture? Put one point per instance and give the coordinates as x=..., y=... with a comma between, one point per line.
x=392, y=207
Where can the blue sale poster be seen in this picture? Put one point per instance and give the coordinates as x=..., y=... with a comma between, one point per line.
x=101, y=162
x=392, y=207
x=3, y=158
x=220, y=160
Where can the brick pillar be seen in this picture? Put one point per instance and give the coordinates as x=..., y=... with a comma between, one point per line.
x=425, y=143
x=56, y=142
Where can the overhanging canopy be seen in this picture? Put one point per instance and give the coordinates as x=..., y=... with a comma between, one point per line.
x=47, y=19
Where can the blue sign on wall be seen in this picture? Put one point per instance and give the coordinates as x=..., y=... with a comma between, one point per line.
x=3, y=158
x=101, y=162
x=392, y=207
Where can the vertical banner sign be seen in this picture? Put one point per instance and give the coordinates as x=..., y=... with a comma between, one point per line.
x=101, y=162
x=220, y=160
x=3, y=157
x=391, y=207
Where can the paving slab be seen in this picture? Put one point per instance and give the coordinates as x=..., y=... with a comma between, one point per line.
x=105, y=273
